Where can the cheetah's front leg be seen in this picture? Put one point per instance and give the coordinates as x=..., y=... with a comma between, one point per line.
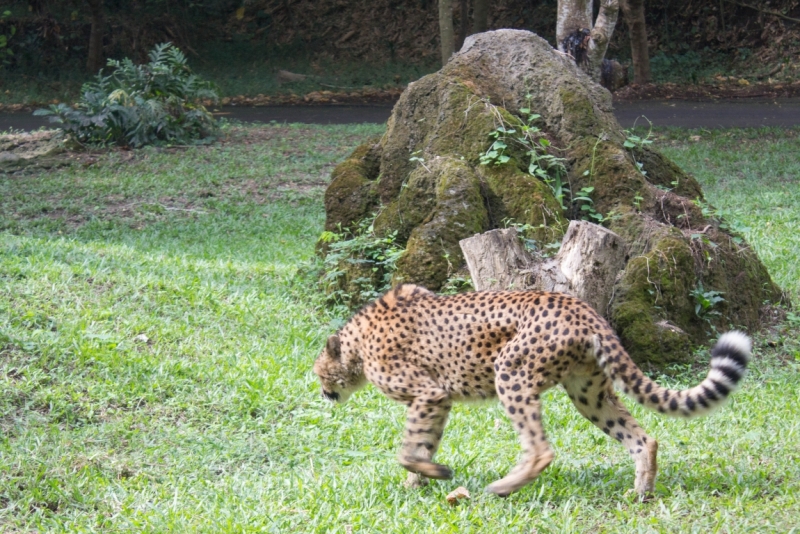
x=427, y=416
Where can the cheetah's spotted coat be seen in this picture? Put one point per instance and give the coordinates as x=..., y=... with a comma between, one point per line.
x=427, y=351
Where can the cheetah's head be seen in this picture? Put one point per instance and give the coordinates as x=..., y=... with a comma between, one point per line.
x=339, y=372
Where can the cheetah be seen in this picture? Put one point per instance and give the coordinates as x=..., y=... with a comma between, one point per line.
x=428, y=351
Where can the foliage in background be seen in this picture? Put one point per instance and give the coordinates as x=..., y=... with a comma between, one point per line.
x=5, y=52
x=240, y=45
x=137, y=105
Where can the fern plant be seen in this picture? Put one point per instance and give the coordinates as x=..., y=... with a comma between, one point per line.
x=156, y=103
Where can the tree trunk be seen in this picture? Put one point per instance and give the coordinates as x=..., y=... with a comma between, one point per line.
x=94, y=61
x=480, y=16
x=586, y=266
x=572, y=15
x=463, y=28
x=586, y=42
x=633, y=11
x=446, y=29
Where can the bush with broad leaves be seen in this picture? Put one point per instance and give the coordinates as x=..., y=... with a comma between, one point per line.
x=152, y=104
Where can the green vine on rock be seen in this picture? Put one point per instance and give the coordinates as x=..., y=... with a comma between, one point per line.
x=635, y=142
x=359, y=264
x=705, y=301
x=542, y=165
x=587, y=205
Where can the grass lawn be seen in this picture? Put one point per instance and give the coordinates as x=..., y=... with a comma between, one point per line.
x=156, y=347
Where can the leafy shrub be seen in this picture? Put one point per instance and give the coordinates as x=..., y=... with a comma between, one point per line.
x=6, y=52
x=358, y=265
x=138, y=105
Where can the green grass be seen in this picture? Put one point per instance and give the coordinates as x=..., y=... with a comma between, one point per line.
x=752, y=177
x=156, y=348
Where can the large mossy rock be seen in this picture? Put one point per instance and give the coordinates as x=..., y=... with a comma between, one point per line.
x=425, y=180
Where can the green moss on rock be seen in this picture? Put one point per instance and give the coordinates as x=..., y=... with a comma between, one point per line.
x=432, y=251
x=352, y=194
x=413, y=204
x=606, y=166
x=514, y=196
x=665, y=173
x=655, y=292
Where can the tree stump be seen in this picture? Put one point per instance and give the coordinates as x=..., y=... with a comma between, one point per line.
x=586, y=266
x=497, y=261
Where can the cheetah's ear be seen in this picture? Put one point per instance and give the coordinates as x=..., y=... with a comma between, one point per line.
x=334, y=347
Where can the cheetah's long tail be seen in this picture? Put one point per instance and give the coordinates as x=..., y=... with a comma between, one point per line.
x=729, y=359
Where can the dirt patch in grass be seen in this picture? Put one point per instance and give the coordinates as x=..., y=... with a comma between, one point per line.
x=136, y=213
x=34, y=152
x=249, y=164
x=252, y=135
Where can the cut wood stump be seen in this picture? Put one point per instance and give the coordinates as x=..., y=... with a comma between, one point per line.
x=496, y=260
x=586, y=266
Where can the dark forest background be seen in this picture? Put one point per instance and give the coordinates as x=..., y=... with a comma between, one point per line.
x=51, y=46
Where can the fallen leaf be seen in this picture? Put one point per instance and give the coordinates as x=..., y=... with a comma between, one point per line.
x=456, y=495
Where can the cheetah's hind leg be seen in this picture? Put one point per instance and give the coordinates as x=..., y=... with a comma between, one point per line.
x=595, y=398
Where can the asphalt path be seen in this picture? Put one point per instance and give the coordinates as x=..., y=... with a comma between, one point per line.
x=748, y=113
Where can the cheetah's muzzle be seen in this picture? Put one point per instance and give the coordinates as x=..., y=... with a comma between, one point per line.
x=330, y=395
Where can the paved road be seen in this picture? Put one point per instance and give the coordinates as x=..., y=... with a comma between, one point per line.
x=687, y=114
x=727, y=114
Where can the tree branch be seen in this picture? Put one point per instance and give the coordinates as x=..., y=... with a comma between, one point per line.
x=601, y=35
x=762, y=10
x=606, y=21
